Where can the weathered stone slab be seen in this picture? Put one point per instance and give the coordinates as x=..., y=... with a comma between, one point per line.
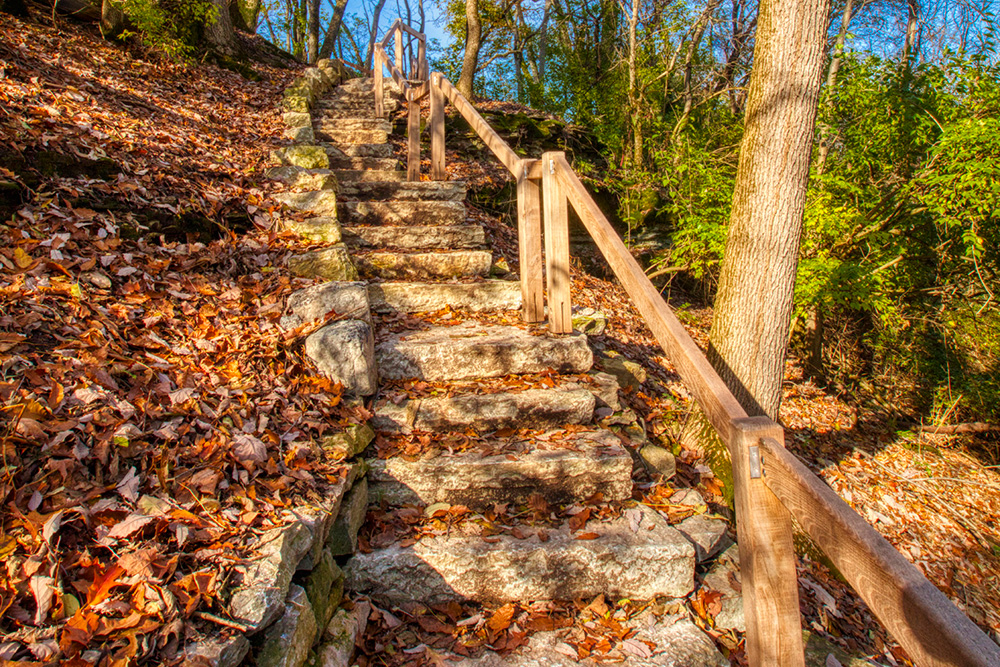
x=287, y=642
x=403, y=190
x=708, y=534
x=296, y=119
x=344, y=534
x=380, y=150
x=424, y=265
x=350, y=442
x=424, y=297
x=319, y=203
x=307, y=157
x=349, y=300
x=300, y=178
x=352, y=136
x=636, y=557
x=217, y=651
x=421, y=213
x=679, y=643
x=390, y=173
x=533, y=408
x=262, y=587
x=371, y=124
x=605, y=389
x=343, y=351
x=342, y=634
x=333, y=263
x=442, y=237
x=321, y=229
x=300, y=135
x=597, y=462
x=359, y=165
x=724, y=577
x=469, y=351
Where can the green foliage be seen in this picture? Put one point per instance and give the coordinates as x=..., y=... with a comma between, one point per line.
x=169, y=26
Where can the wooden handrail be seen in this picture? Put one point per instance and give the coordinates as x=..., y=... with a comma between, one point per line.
x=770, y=484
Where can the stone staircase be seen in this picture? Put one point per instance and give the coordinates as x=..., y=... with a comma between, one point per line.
x=394, y=248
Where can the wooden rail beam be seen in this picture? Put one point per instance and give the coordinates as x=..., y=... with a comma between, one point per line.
x=413, y=137
x=767, y=554
x=556, y=223
x=921, y=618
x=493, y=141
x=529, y=242
x=438, y=170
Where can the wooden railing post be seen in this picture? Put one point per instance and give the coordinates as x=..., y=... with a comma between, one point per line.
x=556, y=246
x=413, y=137
x=399, y=51
x=767, y=555
x=422, y=60
x=529, y=243
x=379, y=91
x=438, y=171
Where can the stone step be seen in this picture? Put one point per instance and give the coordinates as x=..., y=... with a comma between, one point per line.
x=369, y=124
x=532, y=408
x=364, y=175
x=349, y=111
x=402, y=190
x=441, y=237
x=345, y=137
x=425, y=297
x=421, y=213
x=333, y=263
x=377, y=150
x=469, y=351
x=596, y=462
x=677, y=640
x=360, y=164
x=637, y=556
x=424, y=265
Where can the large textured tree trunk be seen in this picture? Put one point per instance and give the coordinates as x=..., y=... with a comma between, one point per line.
x=473, y=36
x=219, y=31
x=633, y=91
x=312, y=31
x=754, y=303
x=373, y=35
x=112, y=19
x=333, y=29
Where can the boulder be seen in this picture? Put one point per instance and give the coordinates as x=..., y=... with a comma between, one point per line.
x=343, y=351
x=300, y=178
x=288, y=641
x=217, y=651
x=709, y=534
x=333, y=263
x=344, y=534
x=307, y=157
x=319, y=203
x=724, y=577
x=296, y=119
x=628, y=373
x=589, y=321
x=320, y=229
x=349, y=300
x=300, y=135
x=659, y=460
x=342, y=634
x=324, y=587
x=350, y=442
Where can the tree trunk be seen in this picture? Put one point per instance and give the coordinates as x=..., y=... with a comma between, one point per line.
x=112, y=19
x=333, y=29
x=219, y=32
x=245, y=15
x=633, y=93
x=312, y=31
x=912, y=31
x=754, y=303
x=543, y=43
x=473, y=35
x=373, y=35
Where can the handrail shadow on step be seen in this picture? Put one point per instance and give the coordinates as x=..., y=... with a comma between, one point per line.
x=770, y=484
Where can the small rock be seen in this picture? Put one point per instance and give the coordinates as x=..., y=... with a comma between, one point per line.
x=97, y=279
x=217, y=652
x=262, y=588
x=307, y=157
x=724, y=577
x=344, y=351
x=344, y=534
x=342, y=634
x=688, y=497
x=636, y=433
x=659, y=460
x=350, y=442
x=606, y=390
x=589, y=321
x=708, y=534
x=333, y=263
x=287, y=642
x=628, y=373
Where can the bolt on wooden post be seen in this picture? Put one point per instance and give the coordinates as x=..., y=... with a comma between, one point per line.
x=556, y=246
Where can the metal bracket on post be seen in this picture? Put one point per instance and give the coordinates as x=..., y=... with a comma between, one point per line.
x=756, y=463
